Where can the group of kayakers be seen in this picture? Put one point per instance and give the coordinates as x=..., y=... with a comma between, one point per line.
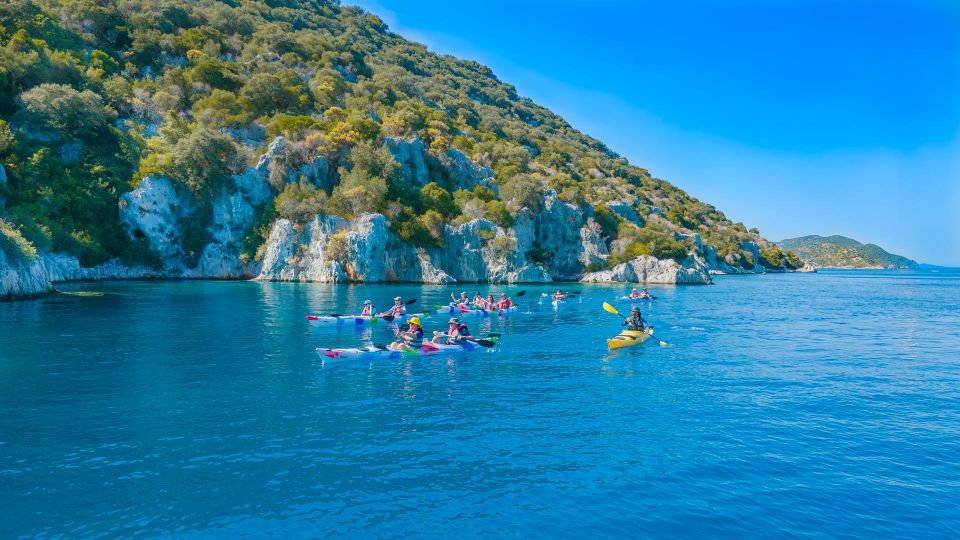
x=458, y=332
x=479, y=302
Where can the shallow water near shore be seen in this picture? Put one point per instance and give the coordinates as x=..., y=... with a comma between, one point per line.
x=785, y=405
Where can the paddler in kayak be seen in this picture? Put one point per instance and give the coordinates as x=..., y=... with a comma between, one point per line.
x=411, y=339
x=489, y=304
x=559, y=295
x=368, y=308
x=457, y=332
x=635, y=294
x=398, y=308
x=504, y=303
x=645, y=294
x=477, y=300
x=635, y=321
x=462, y=301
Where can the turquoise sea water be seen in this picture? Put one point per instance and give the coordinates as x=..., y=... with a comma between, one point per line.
x=820, y=405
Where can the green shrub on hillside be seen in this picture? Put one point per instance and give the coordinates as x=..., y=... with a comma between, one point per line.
x=14, y=245
x=648, y=240
x=300, y=202
x=65, y=111
x=772, y=257
x=608, y=220
x=434, y=197
x=202, y=161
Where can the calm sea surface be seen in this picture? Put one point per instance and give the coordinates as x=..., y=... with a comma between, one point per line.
x=822, y=405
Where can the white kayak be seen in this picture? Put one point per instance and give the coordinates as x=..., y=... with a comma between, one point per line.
x=382, y=352
x=358, y=319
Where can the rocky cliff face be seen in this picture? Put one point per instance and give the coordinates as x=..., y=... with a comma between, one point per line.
x=24, y=279
x=557, y=241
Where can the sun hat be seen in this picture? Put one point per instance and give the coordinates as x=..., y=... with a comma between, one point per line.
x=414, y=320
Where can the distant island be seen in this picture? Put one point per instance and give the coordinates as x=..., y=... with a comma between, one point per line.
x=841, y=252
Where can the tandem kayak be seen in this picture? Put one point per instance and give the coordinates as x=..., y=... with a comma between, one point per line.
x=427, y=349
x=628, y=338
x=358, y=319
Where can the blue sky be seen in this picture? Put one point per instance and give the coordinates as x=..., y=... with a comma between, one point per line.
x=797, y=117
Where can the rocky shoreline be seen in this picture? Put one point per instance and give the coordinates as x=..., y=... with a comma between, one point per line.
x=330, y=249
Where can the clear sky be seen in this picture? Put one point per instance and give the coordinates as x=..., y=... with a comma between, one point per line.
x=795, y=116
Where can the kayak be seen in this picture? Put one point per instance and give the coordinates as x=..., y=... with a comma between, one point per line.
x=628, y=338
x=459, y=309
x=358, y=319
x=631, y=299
x=427, y=349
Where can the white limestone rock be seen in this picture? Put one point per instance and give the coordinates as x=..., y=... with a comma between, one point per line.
x=409, y=154
x=463, y=173
x=625, y=211
x=593, y=249
x=152, y=211
x=650, y=270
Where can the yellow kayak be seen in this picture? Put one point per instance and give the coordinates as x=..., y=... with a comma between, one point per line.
x=628, y=338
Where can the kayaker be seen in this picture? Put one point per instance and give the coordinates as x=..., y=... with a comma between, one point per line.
x=504, y=303
x=398, y=308
x=645, y=293
x=463, y=300
x=457, y=332
x=367, y=308
x=412, y=338
x=635, y=294
x=635, y=321
x=489, y=304
x=559, y=295
x=477, y=300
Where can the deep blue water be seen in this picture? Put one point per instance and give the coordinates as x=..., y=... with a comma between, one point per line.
x=820, y=405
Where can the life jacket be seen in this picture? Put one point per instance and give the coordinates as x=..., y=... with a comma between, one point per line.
x=417, y=340
x=505, y=303
x=460, y=330
x=399, y=310
x=367, y=310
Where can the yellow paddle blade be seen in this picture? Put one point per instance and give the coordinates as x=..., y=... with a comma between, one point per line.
x=610, y=309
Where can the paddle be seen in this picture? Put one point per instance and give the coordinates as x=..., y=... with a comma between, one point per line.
x=610, y=309
x=384, y=314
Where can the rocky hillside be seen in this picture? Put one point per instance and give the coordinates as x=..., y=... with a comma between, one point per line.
x=841, y=252
x=302, y=140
